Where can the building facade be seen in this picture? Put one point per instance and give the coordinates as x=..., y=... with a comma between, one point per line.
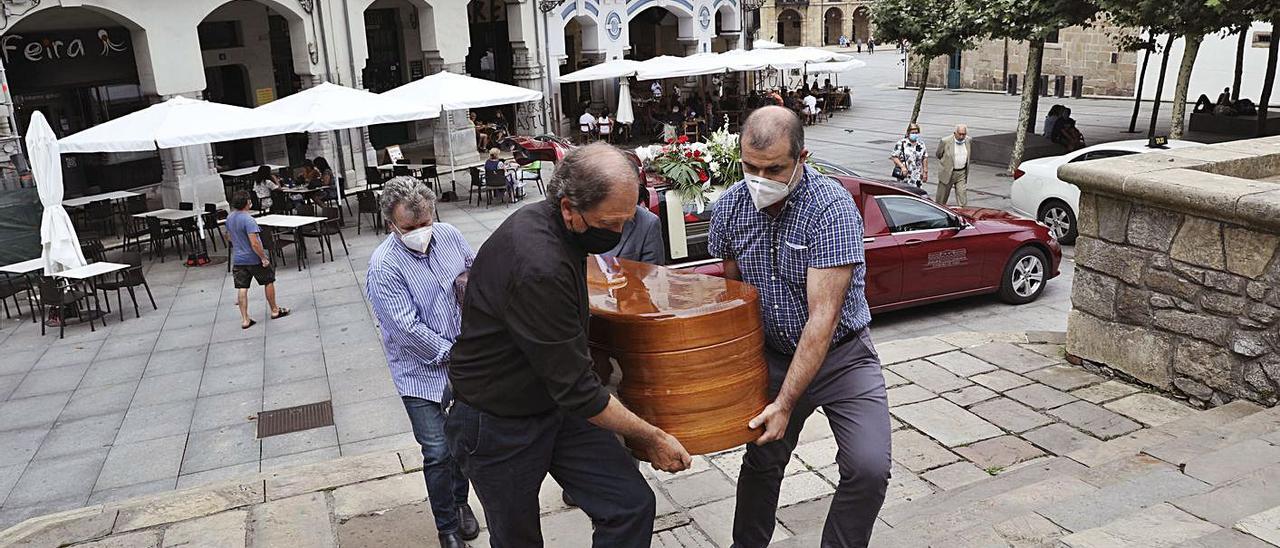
x=83, y=62
x=816, y=23
x=1089, y=53
x=1216, y=64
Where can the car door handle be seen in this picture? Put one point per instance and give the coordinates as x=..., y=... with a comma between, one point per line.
x=913, y=242
x=868, y=240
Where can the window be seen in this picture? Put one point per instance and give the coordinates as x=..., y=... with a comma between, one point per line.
x=1052, y=37
x=219, y=35
x=1262, y=39
x=1100, y=154
x=906, y=214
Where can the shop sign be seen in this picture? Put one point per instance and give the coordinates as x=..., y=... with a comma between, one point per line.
x=59, y=57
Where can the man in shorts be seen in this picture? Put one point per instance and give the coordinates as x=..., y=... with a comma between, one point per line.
x=249, y=260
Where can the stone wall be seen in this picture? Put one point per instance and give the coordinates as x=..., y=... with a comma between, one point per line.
x=1177, y=272
x=1080, y=51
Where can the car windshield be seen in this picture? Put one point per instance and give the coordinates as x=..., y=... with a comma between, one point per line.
x=905, y=213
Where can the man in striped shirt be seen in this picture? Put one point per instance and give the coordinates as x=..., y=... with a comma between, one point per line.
x=411, y=285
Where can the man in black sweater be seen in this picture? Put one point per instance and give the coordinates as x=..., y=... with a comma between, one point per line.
x=527, y=400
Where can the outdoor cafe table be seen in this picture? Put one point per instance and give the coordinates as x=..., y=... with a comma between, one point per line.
x=411, y=167
x=85, y=200
x=294, y=222
x=246, y=171
x=23, y=269
x=90, y=273
x=169, y=214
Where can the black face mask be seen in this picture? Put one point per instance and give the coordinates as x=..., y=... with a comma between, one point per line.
x=595, y=239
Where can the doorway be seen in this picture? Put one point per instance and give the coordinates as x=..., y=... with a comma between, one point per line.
x=229, y=84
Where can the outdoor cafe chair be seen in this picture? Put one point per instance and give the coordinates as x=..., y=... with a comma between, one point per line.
x=128, y=279
x=324, y=231
x=10, y=287
x=55, y=295
x=495, y=183
x=477, y=183
x=532, y=171
x=367, y=203
x=161, y=236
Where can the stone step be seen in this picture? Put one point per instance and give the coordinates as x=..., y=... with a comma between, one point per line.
x=1008, y=480
x=1191, y=426
x=1183, y=448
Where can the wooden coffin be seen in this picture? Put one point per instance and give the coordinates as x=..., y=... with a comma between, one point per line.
x=690, y=348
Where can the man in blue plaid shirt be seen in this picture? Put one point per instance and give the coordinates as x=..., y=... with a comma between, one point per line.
x=796, y=236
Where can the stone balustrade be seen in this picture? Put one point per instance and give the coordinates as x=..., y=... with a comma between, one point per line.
x=1177, y=278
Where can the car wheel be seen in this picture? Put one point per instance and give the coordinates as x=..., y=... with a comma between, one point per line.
x=1024, y=276
x=1057, y=215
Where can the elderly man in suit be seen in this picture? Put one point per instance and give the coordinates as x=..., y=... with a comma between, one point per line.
x=953, y=150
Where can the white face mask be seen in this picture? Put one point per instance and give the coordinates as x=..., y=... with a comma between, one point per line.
x=766, y=192
x=418, y=239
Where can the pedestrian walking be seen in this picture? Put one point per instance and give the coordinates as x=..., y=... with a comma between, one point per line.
x=527, y=401
x=953, y=151
x=796, y=236
x=911, y=158
x=414, y=280
x=871, y=45
x=859, y=45
x=249, y=260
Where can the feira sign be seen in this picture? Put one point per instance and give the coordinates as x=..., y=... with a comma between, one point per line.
x=65, y=45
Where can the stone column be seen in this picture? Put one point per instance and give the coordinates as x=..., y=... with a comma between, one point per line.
x=190, y=173
x=1177, y=279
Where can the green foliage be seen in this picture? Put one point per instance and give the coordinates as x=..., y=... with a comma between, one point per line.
x=933, y=27
x=1030, y=19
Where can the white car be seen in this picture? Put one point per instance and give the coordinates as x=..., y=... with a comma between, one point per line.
x=1038, y=192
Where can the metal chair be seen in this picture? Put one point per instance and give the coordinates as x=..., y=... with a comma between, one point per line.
x=367, y=203
x=55, y=295
x=477, y=182
x=211, y=226
x=100, y=218
x=431, y=173
x=399, y=171
x=532, y=171
x=324, y=231
x=10, y=288
x=372, y=177
x=128, y=279
x=495, y=182
x=159, y=234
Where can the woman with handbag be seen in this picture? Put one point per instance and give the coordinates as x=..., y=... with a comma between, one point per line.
x=911, y=158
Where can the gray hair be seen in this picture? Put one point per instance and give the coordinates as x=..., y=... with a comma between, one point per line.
x=765, y=125
x=415, y=195
x=588, y=174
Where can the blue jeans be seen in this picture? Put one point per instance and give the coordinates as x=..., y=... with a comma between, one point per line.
x=446, y=486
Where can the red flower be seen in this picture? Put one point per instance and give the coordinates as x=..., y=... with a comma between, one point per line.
x=702, y=176
x=683, y=139
x=697, y=154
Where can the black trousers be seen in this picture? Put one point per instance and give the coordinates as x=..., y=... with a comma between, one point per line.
x=507, y=459
x=850, y=389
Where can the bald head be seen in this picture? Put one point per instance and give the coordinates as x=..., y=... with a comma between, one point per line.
x=768, y=125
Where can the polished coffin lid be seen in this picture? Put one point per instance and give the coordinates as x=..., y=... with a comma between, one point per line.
x=690, y=348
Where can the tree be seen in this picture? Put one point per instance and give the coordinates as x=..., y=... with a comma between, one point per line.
x=1032, y=21
x=1155, y=17
x=932, y=28
x=1269, y=78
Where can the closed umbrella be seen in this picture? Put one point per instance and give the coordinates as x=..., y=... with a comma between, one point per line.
x=60, y=247
x=625, y=116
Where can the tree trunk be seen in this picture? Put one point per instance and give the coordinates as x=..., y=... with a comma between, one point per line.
x=1189, y=52
x=1142, y=79
x=1034, y=57
x=1155, y=104
x=924, y=80
x=1235, y=82
x=1035, y=97
x=1270, y=77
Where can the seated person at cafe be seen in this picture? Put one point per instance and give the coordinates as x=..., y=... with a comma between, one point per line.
x=482, y=138
x=811, y=109
x=604, y=125
x=321, y=180
x=507, y=168
x=264, y=181
x=827, y=87
x=500, y=127
x=586, y=125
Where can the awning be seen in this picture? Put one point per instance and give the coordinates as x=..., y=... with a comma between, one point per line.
x=330, y=106
x=456, y=92
x=179, y=122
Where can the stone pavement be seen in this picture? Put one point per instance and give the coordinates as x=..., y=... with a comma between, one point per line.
x=997, y=442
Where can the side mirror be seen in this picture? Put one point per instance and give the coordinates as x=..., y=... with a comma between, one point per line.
x=959, y=223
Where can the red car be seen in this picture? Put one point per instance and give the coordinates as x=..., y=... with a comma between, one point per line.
x=917, y=251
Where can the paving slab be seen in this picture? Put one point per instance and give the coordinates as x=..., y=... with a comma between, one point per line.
x=999, y=453
x=817, y=454
x=79, y=435
x=1200, y=421
x=50, y=381
x=1095, y=420
x=892, y=379
x=969, y=395
x=716, y=520
x=1264, y=525
x=929, y=376
x=911, y=349
x=955, y=475
x=226, y=529
x=296, y=521
x=1117, y=448
x=801, y=487
x=1029, y=529
x=1159, y=526
x=946, y=422
x=1226, y=538
x=1000, y=380
x=1114, y=501
x=1010, y=415
x=344, y=471
x=1237, y=499
x=144, y=461
x=918, y=453
x=701, y=488
x=1065, y=377
x=1105, y=392
x=156, y=421
x=961, y=364
x=1010, y=356
x=21, y=445
x=219, y=475
x=1232, y=461
x=1060, y=439
x=1039, y=396
x=1150, y=409
x=67, y=477
x=378, y=495
x=139, y=539
x=224, y=446
x=1125, y=469
x=98, y=400
x=908, y=393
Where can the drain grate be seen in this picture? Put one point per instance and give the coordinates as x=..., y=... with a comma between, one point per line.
x=295, y=419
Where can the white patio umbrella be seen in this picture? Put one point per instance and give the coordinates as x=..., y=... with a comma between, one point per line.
x=617, y=68
x=329, y=106
x=834, y=67
x=624, y=116
x=179, y=122
x=457, y=91
x=60, y=247
x=766, y=44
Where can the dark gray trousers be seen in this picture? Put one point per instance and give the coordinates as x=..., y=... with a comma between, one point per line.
x=850, y=389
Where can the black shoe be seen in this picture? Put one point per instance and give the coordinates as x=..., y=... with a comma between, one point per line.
x=568, y=500
x=452, y=540
x=468, y=527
